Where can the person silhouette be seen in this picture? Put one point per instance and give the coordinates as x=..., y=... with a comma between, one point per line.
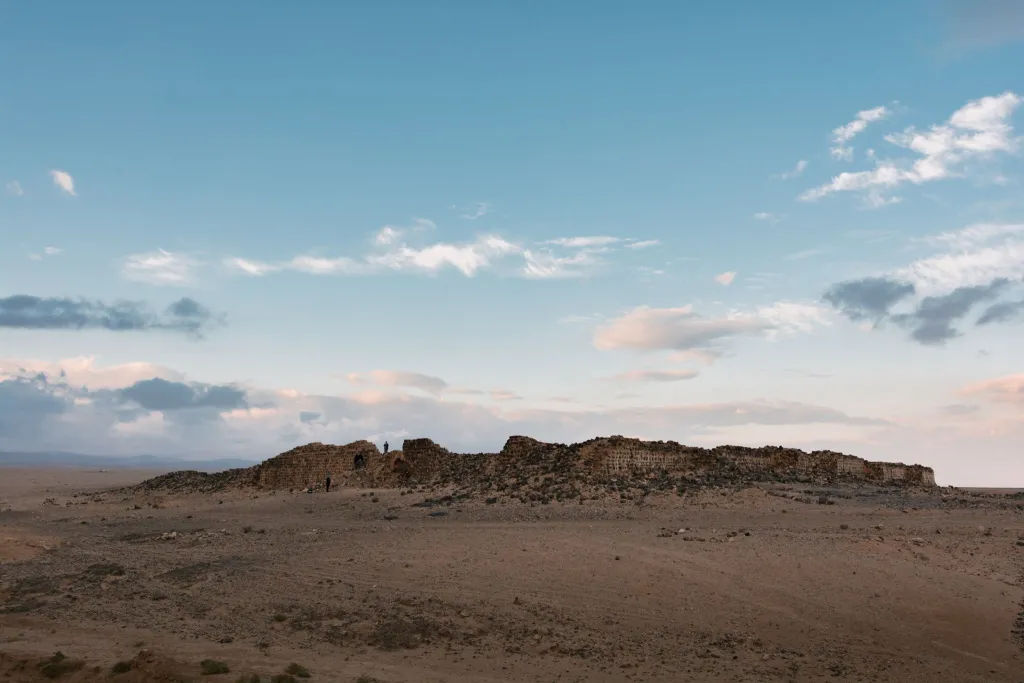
x=385, y=448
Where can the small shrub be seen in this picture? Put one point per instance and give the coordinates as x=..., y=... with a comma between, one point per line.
x=211, y=667
x=283, y=678
x=280, y=617
x=297, y=670
x=367, y=679
x=251, y=678
x=121, y=668
x=247, y=529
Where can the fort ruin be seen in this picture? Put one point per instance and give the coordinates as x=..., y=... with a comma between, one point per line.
x=422, y=461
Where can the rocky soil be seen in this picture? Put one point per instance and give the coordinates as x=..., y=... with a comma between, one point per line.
x=771, y=582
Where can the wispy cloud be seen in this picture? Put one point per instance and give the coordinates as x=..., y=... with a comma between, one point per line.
x=643, y=244
x=64, y=181
x=545, y=265
x=977, y=131
x=562, y=257
x=725, y=279
x=474, y=211
x=426, y=383
x=843, y=134
x=974, y=256
x=796, y=171
x=398, y=378
x=583, y=242
x=14, y=188
x=807, y=253
x=160, y=267
x=393, y=234
x=47, y=251
x=681, y=329
x=1009, y=388
x=655, y=375
x=766, y=216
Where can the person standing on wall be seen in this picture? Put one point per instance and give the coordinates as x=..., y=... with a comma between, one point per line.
x=385, y=448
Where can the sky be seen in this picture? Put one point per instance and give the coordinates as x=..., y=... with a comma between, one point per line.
x=230, y=228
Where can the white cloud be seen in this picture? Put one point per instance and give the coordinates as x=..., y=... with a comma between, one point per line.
x=160, y=267
x=466, y=258
x=680, y=329
x=583, y=242
x=393, y=234
x=643, y=244
x=47, y=251
x=249, y=267
x=876, y=200
x=14, y=188
x=977, y=131
x=655, y=375
x=973, y=256
x=387, y=235
x=64, y=181
x=766, y=216
x=317, y=265
x=544, y=265
x=563, y=257
x=726, y=278
x=843, y=134
x=975, y=235
x=974, y=267
x=790, y=317
x=796, y=171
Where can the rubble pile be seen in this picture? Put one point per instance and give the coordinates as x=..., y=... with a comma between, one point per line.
x=192, y=481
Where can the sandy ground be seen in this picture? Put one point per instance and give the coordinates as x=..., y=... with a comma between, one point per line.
x=719, y=586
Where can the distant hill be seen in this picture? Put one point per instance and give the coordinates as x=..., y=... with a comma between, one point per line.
x=141, y=462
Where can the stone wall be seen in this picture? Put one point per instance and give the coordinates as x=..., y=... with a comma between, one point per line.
x=422, y=460
x=310, y=464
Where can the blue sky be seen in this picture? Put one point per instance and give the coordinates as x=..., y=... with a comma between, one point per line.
x=728, y=224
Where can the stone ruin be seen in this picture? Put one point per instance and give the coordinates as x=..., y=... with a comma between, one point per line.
x=421, y=461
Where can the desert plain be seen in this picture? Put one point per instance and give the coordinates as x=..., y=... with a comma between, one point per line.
x=767, y=582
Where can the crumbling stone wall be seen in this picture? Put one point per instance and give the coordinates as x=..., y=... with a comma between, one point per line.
x=308, y=465
x=422, y=460
x=618, y=454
